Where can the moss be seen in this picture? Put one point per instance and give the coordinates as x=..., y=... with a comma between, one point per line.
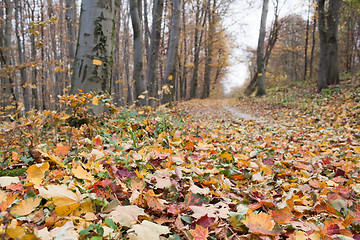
x=13, y=172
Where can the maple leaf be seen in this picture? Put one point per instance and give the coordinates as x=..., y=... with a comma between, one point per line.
x=261, y=223
x=199, y=233
x=62, y=150
x=282, y=216
x=126, y=215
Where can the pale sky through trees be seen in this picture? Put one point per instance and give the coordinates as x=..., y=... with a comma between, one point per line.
x=244, y=23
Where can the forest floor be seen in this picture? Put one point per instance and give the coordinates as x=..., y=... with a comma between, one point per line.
x=281, y=166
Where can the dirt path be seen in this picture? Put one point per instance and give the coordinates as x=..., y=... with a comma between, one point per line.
x=220, y=109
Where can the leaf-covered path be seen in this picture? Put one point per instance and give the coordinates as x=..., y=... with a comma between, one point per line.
x=269, y=168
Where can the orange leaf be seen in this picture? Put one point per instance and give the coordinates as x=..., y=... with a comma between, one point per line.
x=282, y=216
x=199, y=233
x=261, y=223
x=62, y=150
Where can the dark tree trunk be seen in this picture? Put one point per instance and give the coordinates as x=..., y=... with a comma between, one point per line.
x=313, y=48
x=260, y=51
x=153, y=58
x=209, y=50
x=138, y=75
x=173, y=45
x=332, y=41
x=323, y=46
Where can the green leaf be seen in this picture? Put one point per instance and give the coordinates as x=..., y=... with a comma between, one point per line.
x=111, y=223
x=87, y=230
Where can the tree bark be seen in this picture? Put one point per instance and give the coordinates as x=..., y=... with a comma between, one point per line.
x=260, y=51
x=197, y=46
x=138, y=75
x=153, y=58
x=21, y=56
x=209, y=50
x=94, y=53
x=173, y=46
x=332, y=41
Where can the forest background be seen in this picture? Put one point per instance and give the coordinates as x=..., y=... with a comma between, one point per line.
x=38, y=44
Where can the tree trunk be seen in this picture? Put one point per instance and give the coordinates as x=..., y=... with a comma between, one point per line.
x=312, y=48
x=173, y=45
x=70, y=16
x=153, y=58
x=323, y=65
x=21, y=56
x=184, y=83
x=260, y=51
x=332, y=41
x=209, y=52
x=126, y=60
x=94, y=53
x=197, y=47
x=306, y=45
x=138, y=75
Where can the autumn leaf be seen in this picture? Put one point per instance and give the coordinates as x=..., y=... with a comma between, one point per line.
x=65, y=200
x=25, y=207
x=95, y=101
x=199, y=233
x=147, y=231
x=261, y=223
x=126, y=215
x=36, y=173
x=97, y=62
x=81, y=173
x=62, y=150
x=282, y=216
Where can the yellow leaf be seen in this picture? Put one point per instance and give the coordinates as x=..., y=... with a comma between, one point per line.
x=170, y=77
x=260, y=74
x=141, y=97
x=36, y=173
x=14, y=231
x=25, y=207
x=97, y=62
x=15, y=156
x=65, y=200
x=80, y=172
x=95, y=101
x=357, y=150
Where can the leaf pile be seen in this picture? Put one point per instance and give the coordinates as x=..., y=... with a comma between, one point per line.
x=165, y=174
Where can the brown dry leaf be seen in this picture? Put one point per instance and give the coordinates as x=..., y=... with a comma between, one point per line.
x=25, y=207
x=147, y=231
x=127, y=215
x=65, y=200
x=211, y=210
x=7, y=181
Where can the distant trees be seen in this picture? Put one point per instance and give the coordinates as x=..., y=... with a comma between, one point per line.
x=323, y=45
x=180, y=52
